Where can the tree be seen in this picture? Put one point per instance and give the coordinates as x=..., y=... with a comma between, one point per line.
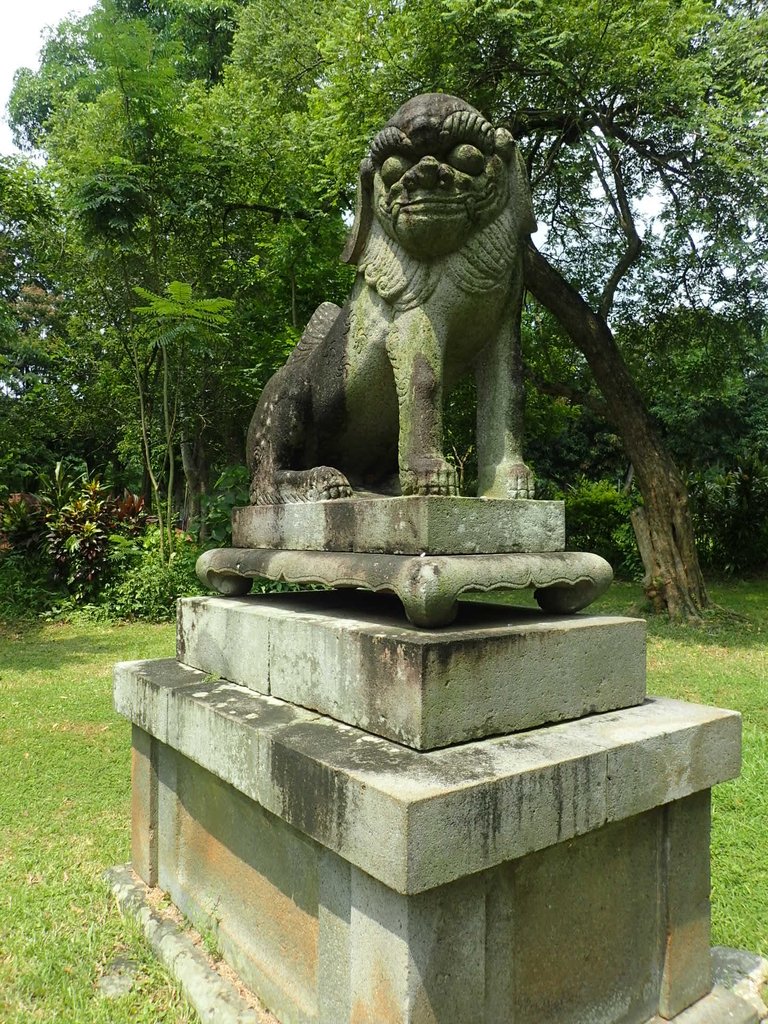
x=184, y=331
x=41, y=386
x=157, y=187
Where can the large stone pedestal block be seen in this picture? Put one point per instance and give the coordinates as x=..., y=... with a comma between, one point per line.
x=555, y=876
x=496, y=670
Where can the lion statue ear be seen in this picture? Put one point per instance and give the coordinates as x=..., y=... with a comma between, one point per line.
x=353, y=250
x=510, y=153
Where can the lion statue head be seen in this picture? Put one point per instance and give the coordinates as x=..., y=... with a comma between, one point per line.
x=434, y=175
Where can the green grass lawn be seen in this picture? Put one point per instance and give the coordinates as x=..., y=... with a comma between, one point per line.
x=64, y=819
x=64, y=800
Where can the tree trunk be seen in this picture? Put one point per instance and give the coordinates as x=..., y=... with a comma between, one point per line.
x=673, y=579
x=195, y=463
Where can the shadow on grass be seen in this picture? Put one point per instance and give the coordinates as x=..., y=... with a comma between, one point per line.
x=34, y=645
x=738, y=618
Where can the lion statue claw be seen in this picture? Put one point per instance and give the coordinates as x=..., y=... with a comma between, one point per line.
x=443, y=212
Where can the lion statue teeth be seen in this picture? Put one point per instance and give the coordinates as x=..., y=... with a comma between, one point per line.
x=442, y=214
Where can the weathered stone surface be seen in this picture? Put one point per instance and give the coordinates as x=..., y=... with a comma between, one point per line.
x=388, y=809
x=215, y=999
x=419, y=958
x=719, y=1007
x=498, y=670
x=428, y=585
x=687, y=974
x=144, y=804
x=577, y=931
x=745, y=974
x=405, y=525
x=442, y=216
x=659, y=758
x=118, y=978
x=334, y=954
x=586, y=946
x=226, y=863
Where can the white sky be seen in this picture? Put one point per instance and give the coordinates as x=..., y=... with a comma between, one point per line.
x=23, y=22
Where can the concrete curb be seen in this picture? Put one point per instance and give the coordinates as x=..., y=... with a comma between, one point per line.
x=215, y=999
x=745, y=974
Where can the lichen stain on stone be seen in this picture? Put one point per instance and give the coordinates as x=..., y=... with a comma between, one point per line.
x=558, y=798
x=314, y=798
x=488, y=817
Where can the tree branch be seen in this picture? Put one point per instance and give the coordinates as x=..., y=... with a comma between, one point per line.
x=556, y=389
x=275, y=212
x=634, y=247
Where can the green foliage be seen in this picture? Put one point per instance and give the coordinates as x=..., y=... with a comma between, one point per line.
x=597, y=520
x=730, y=514
x=112, y=199
x=147, y=586
x=706, y=378
x=57, y=544
x=163, y=175
x=178, y=306
x=26, y=587
x=77, y=539
x=22, y=521
x=229, y=491
x=460, y=414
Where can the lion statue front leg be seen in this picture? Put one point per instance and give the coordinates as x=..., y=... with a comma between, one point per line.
x=416, y=354
x=502, y=473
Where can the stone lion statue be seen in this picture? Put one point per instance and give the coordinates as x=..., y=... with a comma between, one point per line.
x=443, y=210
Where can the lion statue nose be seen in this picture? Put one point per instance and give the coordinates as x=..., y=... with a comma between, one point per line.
x=426, y=173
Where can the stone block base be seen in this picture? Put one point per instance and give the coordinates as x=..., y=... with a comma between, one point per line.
x=557, y=877
x=412, y=525
x=498, y=670
x=216, y=998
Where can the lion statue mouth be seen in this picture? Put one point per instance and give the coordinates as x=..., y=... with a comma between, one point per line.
x=433, y=224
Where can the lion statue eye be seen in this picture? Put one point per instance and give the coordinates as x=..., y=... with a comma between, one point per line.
x=393, y=168
x=467, y=159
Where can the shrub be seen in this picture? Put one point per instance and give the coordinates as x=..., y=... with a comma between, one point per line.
x=730, y=515
x=81, y=517
x=22, y=522
x=597, y=520
x=26, y=588
x=229, y=491
x=144, y=586
x=56, y=545
x=77, y=540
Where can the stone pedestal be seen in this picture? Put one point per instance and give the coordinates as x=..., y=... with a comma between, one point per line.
x=523, y=872
x=497, y=670
x=426, y=550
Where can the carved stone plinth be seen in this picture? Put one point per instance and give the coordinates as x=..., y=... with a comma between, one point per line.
x=404, y=526
x=427, y=585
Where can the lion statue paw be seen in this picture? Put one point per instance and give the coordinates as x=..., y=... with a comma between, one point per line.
x=429, y=476
x=322, y=483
